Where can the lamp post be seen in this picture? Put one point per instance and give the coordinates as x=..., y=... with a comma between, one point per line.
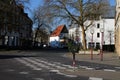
x=92, y=32
x=110, y=34
x=102, y=40
x=77, y=34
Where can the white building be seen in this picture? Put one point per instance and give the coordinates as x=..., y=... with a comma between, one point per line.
x=107, y=24
x=57, y=37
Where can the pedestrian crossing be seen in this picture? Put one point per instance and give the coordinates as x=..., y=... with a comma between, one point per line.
x=21, y=60
x=40, y=64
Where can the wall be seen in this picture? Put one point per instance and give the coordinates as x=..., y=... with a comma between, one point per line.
x=106, y=23
x=15, y=25
x=117, y=28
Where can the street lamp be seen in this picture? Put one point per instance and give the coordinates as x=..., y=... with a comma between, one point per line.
x=77, y=34
x=92, y=32
x=110, y=33
x=102, y=40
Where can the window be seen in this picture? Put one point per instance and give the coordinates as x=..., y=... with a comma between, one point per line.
x=98, y=25
x=91, y=45
x=97, y=45
x=98, y=35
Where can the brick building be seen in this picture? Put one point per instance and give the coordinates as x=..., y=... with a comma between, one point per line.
x=15, y=25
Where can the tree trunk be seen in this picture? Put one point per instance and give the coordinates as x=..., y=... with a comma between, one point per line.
x=84, y=39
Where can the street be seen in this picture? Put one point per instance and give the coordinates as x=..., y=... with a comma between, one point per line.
x=50, y=64
x=59, y=39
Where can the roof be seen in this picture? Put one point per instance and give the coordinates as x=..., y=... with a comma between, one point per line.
x=58, y=30
x=110, y=13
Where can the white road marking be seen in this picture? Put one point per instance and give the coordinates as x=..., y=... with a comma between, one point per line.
x=109, y=70
x=94, y=78
x=37, y=63
x=38, y=79
x=117, y=67
x=51, y=64
x=23, y=72
x=67, y=75
x=58, y=72
x=54, y=71
x=32, y=62
x=83, y=67
x=28, y=64
x=90, y=68
x=62, y=65
x=69, y=66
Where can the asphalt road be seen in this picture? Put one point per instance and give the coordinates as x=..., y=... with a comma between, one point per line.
x=23, y=67
x=46, y=64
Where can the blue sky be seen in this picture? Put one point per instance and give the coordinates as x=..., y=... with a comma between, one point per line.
x=35, y=3
x=112, y=2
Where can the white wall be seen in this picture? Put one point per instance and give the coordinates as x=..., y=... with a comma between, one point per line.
x=54, y=41
x=54, y=38
x=109, y=31
x=106, y=24
x=108, y=27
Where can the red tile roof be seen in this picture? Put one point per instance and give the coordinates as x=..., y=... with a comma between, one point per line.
x=57, y=31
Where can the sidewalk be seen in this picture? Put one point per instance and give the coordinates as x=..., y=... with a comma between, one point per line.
x=103, y=75
x=109, y=58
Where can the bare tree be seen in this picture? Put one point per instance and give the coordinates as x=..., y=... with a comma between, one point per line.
x=77, y=10
x=42, y=24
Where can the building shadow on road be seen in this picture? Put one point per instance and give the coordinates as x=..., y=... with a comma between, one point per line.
x=19, y=53
x=15, y=56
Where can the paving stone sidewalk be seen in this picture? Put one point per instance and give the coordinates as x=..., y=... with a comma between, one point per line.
x=109, y=58
x=101, y=75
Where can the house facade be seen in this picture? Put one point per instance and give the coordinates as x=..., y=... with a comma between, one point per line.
x=117, y=28
x=107, y=24
x=15, y=25
x=58, y=37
